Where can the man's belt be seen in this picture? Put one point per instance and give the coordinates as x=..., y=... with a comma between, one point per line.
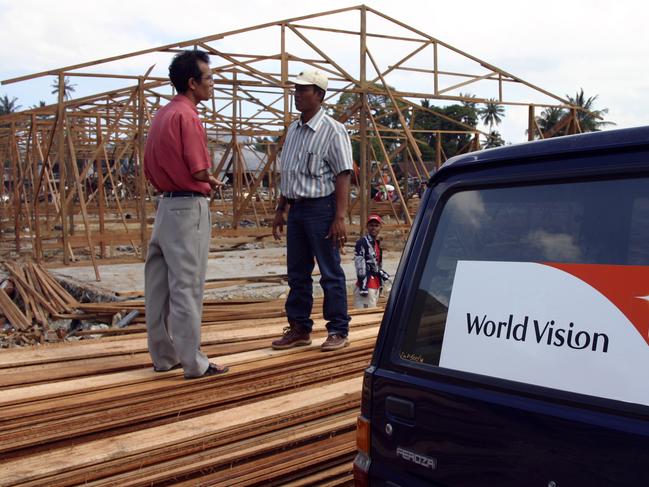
x=183, y=194
x=292, y=201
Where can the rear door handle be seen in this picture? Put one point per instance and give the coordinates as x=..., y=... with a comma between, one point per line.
x=400, y=408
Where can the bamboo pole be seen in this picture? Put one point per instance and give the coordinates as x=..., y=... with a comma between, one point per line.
x=38, y=249
x=364, y=189
x=14, y=186
x=62, y=170
x=101, y=198
x=82, y=202
x=389, y=166
x=140, y=165
x=531, y=123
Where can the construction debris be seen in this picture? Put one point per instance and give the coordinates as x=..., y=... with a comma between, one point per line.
x=39, y=299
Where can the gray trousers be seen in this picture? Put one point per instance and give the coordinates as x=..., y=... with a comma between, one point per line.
x=174, y=280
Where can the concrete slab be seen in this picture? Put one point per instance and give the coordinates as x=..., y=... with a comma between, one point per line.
x=234, y=264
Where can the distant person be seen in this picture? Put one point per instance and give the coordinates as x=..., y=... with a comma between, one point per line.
x=422, y=189
x=368, y=261
x=385, y=192
x=316, y=165
x=177, y=164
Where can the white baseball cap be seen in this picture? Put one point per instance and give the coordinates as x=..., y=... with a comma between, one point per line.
x=312, y=77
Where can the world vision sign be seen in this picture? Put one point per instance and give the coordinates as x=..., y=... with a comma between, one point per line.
x=576, y=327
x=543, y=333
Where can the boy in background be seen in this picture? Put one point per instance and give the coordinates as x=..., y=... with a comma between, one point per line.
x=368, y=259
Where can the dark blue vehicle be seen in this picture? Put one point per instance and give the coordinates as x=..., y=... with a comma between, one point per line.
x=456, y=397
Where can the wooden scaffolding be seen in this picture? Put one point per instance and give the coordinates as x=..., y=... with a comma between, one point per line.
x=73, y=178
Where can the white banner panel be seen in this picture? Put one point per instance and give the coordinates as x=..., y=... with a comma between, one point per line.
x=575, y=327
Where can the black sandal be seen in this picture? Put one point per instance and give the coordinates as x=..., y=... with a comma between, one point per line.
x=177, y=366
x=212, y=369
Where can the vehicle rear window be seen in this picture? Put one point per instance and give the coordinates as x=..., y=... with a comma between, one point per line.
x=594, y=222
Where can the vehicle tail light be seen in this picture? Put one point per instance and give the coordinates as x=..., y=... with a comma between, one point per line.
x=363, y=435
x=363, y=438
x=362, y=460
x=366, y=392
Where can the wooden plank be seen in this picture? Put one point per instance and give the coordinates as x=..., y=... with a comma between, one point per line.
x=137, y=462
x=226, y=455
x=21, y=281
x=82, y=201
x=48, y=298
x=39, y=312
x=107, y=381
x=67, y=298
x=10, y=358
x=282, y=464
x=41, y=373
x=41, y=466
x=343, y=471
x=25, y=295
x=171, y=399
x=12, y=312
x=58, y=416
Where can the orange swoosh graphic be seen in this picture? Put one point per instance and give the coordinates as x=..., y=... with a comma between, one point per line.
x=625, y=286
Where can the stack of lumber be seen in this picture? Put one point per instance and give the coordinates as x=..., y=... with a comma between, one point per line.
x=214, y=311
x=95, y=413
x=221, y=282
x=41, y=299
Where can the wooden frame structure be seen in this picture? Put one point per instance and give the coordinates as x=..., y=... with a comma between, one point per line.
x=73, y=178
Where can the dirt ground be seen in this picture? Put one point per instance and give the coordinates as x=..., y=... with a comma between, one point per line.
x=238, y=264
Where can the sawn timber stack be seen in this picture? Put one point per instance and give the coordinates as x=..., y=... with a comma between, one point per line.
x=95, y=413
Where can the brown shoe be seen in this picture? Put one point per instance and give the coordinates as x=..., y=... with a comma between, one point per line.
x=292, y=337
x=334, y=342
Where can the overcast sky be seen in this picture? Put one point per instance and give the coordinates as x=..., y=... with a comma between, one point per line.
x=561, y=46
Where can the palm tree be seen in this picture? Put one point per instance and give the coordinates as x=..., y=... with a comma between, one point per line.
x=68, y=88
x=590, y=120
x=494, y=139
x=41, y=104
x=8, y=105
x=549, y=118
x=492, y=113
x=466, y=103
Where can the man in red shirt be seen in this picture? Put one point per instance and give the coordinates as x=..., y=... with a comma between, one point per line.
x=177, y=164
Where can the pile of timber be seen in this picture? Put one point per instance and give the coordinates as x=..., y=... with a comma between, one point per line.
x=214, y=311
x=37, y=299
x=95, y=413
x=33, y=299
x=221, y=282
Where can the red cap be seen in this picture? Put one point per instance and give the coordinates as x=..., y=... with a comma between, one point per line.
x=374, y=217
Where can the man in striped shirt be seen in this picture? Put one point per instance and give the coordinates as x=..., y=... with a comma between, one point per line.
x=316, y=164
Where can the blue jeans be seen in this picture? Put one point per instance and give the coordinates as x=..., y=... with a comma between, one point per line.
x=308, y=224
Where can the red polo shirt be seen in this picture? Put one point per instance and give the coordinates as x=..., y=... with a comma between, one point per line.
x=176, y=148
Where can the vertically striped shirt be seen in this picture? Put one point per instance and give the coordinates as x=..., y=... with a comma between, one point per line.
x=314, y=153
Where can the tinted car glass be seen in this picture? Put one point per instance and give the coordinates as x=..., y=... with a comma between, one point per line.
x=594, y=222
